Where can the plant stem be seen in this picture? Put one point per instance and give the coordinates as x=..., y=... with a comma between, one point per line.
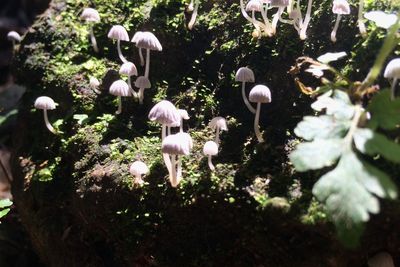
x=46, y=121
x=256, y=121
x=246, y=101
x=348, y=139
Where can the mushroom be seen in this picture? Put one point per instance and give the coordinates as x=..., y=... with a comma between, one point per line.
x=184, y=116
x=254, y=6
x=167, y=115
x=119, y=33
x=91, y=16
x=135, y=37
x=137, y=169
x=120, y=88
x=129, y=69
x=392, y=71
x=259, y=94
x=210, y=149
x=175, y=145
x=14, y=37
x=382, y=259
x=148, y=41
x=306, y=21
x=94, y=83
x=218, y=124
x=340, y=7
x=281, y=5
x=46, y=103
x=142, y=83
x=244, y=75
x=194, y=14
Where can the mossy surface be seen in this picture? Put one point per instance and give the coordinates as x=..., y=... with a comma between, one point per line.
x=254, y=210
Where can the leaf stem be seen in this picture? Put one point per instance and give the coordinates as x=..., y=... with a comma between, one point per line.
x=348, y=139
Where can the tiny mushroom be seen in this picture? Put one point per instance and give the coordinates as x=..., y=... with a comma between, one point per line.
x=392, y=71
x=46, y=103
x=94, y=83
x=148, y=41
x=120, y=88
x=129, y=69
x=142, y=83
x=218, y=124
x=184, y=116
x=259, y=94
x=137, y=169
x=119, y=33
x=91, y=16
x=340, y=7
x=382, y=259
x=244, y=75
x=254, y=6
x=210, y=149
x=175, y=145
x=14, y=37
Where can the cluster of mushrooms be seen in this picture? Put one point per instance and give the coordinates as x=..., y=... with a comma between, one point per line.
x=263, y=25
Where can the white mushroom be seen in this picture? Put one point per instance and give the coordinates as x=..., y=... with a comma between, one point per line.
x=91, y=16
x=259, y=94
x=142, y=83
x=340, y=7
x=218, y=124
x=119, y=33
x=129, y=69
x=304, y=24
x=46, y=103
x=382, y=259
x=281, y=5
x=148, y=41
x=137, y=169
x=210, y=149
x=120, y=88
x=94, y=83
x=135, y=37
x=184, y=116
x=244, y=75
x=392, y=71
x=14, y=37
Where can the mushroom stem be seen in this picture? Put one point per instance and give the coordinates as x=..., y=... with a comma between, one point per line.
x=93, y=40
x=138, y=179
x=141, y=95
x=96, y=91
x=119, y=110
x=393, y=89
x=267, y=25
x=194, y=15
x=134, y=94
x=256, y=120
x=166, y=157
x=123, y=59
x=306, y=21
x=277, y=17
x=173, y=177
x=217, y=136
x=210, y=164
x=246, y=101
x=147, y=70
x=360, y=22
x=46, y=121
x=246, y=16
x=333, y=33
x=181, y=126
x=141, y=57
x=179, y=171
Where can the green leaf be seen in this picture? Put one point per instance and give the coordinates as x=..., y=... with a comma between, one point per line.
x=322, y=127
x=5, y=203
x=385, y=113
x=81, y=118
x=4, y=212
x=7, y=116
x=335, y=103
x=317, y=154
x=372, y=143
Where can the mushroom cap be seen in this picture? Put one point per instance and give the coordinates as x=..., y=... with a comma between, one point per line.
x=138, y=168
x=382, y=259
x=120, y=88
x=118, y=32
x=210, y=148
x=94, y=82
x=147, y=40
x=260, y=93
x=244, y=74
x=177, y=144
x=392, y=69
x=341, y=7
x=129, y=69
x=90, y=15
x=14, y=36
x=142, y=82
x=279, y=3
x=136, y=36
x=44, y=102
x=254, y=5
x=184, y=114
x=218, y=122
x=165, y=112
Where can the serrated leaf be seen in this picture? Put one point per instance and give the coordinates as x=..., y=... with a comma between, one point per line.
x=4, y=212
x=338, y=105
x=329, y=57
x=81, y=118
x=348, y=190
x=372, y=143
x=5, y=203
x=385, y=113
x=322, y=127
x=316, y=155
